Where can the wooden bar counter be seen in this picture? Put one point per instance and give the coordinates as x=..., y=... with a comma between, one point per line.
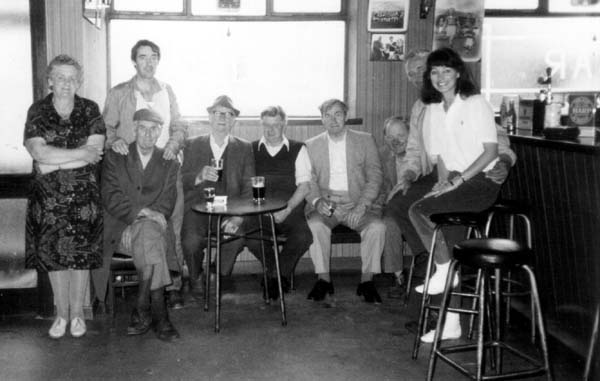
x=560, y=179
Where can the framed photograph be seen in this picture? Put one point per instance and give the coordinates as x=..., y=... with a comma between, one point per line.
x=457, y=24
x=93, y=11
x=388, y=15
x=387, y=47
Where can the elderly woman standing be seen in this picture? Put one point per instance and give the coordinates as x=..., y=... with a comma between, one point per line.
x=64, y=134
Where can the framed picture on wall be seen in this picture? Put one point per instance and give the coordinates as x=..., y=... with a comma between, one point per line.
x=387, y=47
x=457, y=24
x=388, y=15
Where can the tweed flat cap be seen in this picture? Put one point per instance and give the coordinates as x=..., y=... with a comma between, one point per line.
x=148, y=115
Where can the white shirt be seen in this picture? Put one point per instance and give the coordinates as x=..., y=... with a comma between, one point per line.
x=458, y=134
x=216, y=150
x=161, y=104
x=144, y=158
x=302, y=164
x=338, y=172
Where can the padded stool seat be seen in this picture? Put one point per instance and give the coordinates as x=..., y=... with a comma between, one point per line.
x=459, y=218
x=492, y=253
x=510, y=206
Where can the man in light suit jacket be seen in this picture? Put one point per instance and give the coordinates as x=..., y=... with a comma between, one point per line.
x=198, y=173
x=139, y=193
x=345, y=185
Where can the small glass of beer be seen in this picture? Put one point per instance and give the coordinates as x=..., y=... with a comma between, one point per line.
x=218, y=165
x=258, y=189
x=209, y=195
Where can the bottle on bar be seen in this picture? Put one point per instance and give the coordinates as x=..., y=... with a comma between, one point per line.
x=539, y=109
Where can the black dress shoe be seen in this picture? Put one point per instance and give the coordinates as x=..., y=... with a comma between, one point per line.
x=320, y=290
x=165, y=330
x=274, y=288
x=197, y=287
x=369, y=292
x=396, y=291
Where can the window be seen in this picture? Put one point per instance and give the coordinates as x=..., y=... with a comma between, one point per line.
x=16, y=79
x=295, y=58
x=511, y=4
x=517, y=51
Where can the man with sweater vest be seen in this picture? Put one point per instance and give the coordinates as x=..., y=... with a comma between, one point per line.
x=286, y=167
x=346, y=181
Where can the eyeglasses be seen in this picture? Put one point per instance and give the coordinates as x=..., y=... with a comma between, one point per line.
x=226, y=114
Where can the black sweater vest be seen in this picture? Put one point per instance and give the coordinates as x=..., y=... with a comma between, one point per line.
x=279, y=171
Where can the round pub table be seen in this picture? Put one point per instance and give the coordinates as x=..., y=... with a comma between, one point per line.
x=240, y=207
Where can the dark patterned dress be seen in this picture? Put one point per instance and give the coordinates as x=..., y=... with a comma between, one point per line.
x=64, y=213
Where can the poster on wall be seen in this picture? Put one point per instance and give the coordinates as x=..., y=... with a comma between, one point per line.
x=458, y=24
x=388, y=15
x=387, y=47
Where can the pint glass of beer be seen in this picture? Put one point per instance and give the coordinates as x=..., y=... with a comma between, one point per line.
x=258, y=189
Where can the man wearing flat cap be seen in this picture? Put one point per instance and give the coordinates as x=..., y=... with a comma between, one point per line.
x=144, y=90
x=139, y=194
x=198, y=173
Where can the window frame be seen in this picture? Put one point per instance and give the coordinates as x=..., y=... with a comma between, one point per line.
x=543, y=10
x=270, y=16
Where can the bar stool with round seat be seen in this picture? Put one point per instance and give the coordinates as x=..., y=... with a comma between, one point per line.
x=513, y=209
x=491, y=255
x=474, y=222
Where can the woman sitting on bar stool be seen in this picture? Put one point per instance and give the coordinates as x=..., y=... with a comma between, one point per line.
x=460, y=137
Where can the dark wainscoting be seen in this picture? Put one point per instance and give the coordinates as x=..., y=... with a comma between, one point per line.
x=561, y=182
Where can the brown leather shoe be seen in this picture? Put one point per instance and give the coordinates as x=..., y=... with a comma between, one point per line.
x=162, y=325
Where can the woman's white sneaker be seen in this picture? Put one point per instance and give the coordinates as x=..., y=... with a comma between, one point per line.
x=58, y=328
x=78, y=327
x=436, y=284
x=451, y=330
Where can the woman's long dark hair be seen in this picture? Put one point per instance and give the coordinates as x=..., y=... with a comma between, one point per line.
x=465, y=86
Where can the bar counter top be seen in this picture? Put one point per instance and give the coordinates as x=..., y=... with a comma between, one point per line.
x=580, y=144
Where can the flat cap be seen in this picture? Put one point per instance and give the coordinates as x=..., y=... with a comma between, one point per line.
x=148, y=115
x=223, y=101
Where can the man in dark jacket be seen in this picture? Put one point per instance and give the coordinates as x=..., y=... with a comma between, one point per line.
x=139, y=193
x=198, y=173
